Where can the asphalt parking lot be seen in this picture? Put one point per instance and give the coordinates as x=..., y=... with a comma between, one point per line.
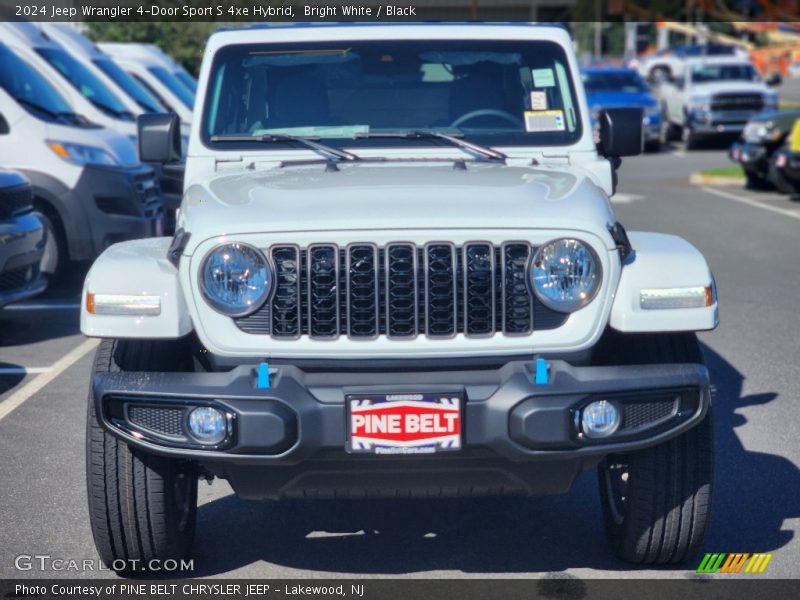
x=751, y=242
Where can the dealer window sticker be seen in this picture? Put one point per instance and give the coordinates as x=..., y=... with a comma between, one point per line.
x=543, y=78
x=538, y=101
x=544, y=120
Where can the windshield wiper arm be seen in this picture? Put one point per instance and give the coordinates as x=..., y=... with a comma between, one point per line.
x=270, y=138
x=452, y=139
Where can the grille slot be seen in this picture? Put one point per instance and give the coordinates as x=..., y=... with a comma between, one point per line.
x=401, y=291
x=323, y=291
x=517, y=305
x=163, y=420
x=362, y=291
x=479, y=289
x=286, y=301
x=441, y=314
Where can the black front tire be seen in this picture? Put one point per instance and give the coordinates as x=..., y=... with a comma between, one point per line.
x=777, y=178
x=142, y=507
x=657, y=502
x=754, y=181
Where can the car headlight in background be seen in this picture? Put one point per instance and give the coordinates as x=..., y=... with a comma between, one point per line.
x=81, y=154
x=700, y=103
x=565, y=274
x=771, y=101
x=235, y=279
x=652, y=114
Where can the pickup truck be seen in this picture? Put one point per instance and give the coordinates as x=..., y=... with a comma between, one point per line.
x=22, y=240
x=397, y=273
x=713, y=97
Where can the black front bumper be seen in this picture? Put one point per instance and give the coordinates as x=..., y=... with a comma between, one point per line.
x=517, y=436
x=754, y=158
x=22, y=240
x=109, y=205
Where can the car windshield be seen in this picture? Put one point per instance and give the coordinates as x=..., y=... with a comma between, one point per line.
x=730, y=72
x=627, y=82
x=29, y=87
x=86, y=83
x=187, y=80
x=131, y=87
x=173, y=85
x=515, y=92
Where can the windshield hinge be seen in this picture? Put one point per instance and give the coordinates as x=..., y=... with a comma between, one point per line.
x=620, y=237
x=560, y=159
x=223, y=162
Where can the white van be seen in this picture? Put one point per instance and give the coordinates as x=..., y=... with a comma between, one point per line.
x=79, y=86
x=177, y=69
x=153, y=74
x=87, y=181
x=130, y=91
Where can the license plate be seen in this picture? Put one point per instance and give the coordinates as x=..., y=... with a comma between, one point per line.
x=407, y=423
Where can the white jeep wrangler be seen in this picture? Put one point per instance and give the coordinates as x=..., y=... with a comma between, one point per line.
x=397, y=273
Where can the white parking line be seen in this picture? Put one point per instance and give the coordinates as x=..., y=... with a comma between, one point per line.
x=53, y=306
x=31, y=388
x=750, y=202
x=25, y=370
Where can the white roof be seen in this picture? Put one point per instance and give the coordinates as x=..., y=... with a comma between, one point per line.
x=387, y=31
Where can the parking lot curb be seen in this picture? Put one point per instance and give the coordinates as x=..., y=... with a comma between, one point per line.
x=698, y=178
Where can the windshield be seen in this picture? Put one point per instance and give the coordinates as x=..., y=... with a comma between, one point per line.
x=187, y=80
x=131, y=87
x=27, y=86
x=628, y=82
x=87, y=84
x=518, y=93
x=736, y=72
x=173, y=85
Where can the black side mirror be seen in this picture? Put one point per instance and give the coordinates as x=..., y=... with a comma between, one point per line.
x=621, y=132
x=159, y=138
x=774, y=79
x=4, y=128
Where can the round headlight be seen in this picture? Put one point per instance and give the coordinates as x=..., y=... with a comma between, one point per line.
x=235, y=279
x=565, y=274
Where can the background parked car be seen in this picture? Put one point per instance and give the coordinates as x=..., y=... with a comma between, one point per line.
x=763, y=135
x=786, y=163
x=667, y=62
x=713, y=97
x=151, y=72
x=87, y=181
x=81, y=88
x=617, y=87
x=22, y=240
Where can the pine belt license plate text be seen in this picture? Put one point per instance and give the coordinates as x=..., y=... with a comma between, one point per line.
x=408, y=423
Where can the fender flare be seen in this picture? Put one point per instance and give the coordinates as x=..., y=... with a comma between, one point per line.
x=661, y=261
x=136, y=268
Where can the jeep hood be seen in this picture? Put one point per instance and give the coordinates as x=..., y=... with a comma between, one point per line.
x=394, y=196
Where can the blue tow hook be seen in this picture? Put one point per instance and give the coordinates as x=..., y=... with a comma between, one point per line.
x=542, y=372
x=262, y=379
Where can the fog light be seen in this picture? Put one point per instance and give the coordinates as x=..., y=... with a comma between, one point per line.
x=207, y=424
x=600, y=419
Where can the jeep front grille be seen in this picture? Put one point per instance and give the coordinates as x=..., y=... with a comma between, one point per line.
x=401, y=291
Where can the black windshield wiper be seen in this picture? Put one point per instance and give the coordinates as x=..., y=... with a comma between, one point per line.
x=272, y=138
x=452, y=139
x=39, y=107
x=119, y=114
